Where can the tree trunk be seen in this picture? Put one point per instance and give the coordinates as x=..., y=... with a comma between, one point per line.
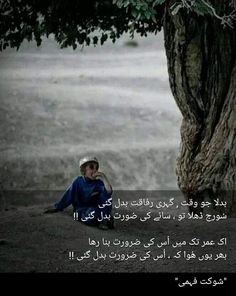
x=201, y=56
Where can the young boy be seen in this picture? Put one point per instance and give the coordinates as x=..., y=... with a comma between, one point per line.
x=90, y=195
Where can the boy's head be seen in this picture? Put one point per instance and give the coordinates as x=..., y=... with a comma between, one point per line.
x=88, y=166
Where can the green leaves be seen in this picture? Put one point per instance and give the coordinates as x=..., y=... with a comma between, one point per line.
x=202, y=8
x=143, y=10
x=76, y=22
x=120, y=3
x=95, y=40
x=103, y=38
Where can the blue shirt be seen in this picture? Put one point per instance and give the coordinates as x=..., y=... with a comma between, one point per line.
x=83, y=193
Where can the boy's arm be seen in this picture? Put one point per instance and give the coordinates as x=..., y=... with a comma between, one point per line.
x=106, y=182
x=67, y=197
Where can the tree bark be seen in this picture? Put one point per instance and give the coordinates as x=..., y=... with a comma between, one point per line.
x=201, y=56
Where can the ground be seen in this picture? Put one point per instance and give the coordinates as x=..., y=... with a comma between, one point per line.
x=113, y=102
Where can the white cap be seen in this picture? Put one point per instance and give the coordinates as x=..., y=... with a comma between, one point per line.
x=87, y=159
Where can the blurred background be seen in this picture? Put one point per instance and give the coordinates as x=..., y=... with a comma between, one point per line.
x=111, y=101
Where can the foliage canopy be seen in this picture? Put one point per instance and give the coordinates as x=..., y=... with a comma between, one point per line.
x=88, y=22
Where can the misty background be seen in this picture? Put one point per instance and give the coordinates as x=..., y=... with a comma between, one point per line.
x=111, y=101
